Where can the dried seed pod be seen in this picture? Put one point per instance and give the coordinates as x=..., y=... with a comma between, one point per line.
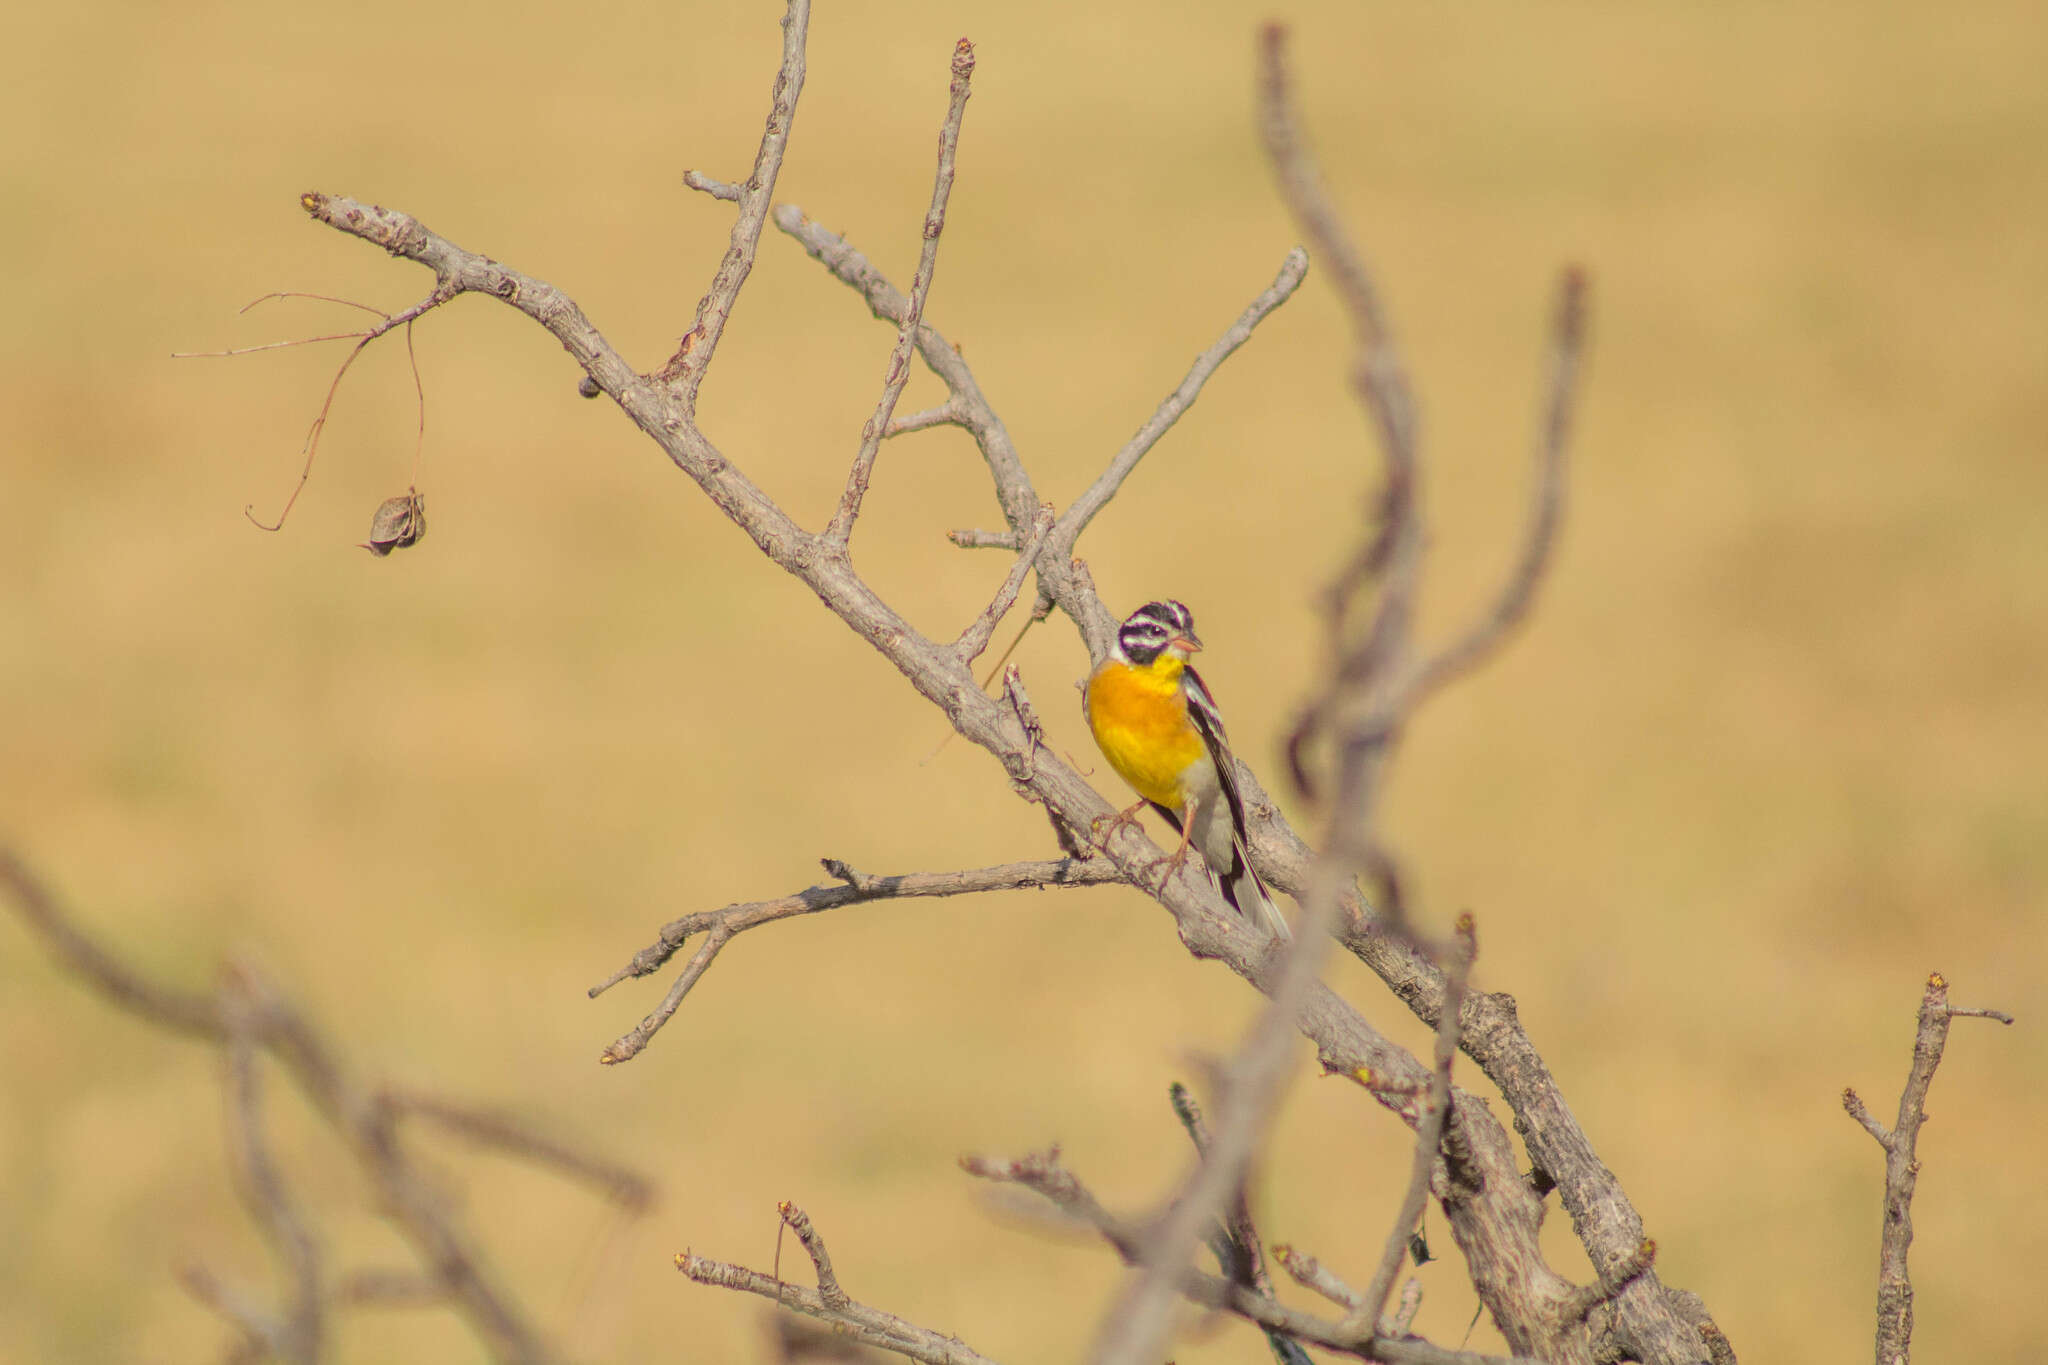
x=400, y=522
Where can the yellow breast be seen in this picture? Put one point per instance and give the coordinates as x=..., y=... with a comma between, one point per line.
x=1140, y=720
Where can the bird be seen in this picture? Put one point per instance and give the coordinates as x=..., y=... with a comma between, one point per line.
x=1157, y=724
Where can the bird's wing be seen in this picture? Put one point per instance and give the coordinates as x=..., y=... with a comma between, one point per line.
x=1240, y=882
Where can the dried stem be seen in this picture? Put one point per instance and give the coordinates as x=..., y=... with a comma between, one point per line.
x=974, y=639
x=1539, y=534
x=945, y=414
x=628, y=1189
x=1902, y=1166
x=1310, y=1273
x=1429, y=1129
x=1086, y=507
x=1136, y=1326
x=387, y=322
x=841, y=527
x=1043, y=1174
x=301, y=1326
x=245, y=1018
x=830, y=1303
x=684, y=372
x=720, y=927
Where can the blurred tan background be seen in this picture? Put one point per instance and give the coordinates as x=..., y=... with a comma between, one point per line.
x=1773, y=749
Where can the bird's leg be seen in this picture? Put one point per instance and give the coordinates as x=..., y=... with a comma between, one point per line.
x=1101, y=831
x=1171, y=863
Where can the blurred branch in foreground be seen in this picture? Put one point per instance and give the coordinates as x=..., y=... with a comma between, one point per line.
x=249, y=1020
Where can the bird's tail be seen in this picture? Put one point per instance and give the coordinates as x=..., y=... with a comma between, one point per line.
x=1247, y=893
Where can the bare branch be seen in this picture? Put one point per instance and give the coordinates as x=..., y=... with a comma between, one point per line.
x=1404, y=1312
x=720, y=926
x=262, y=1334
x=183, y=1011
x=311, y=448
x=1064, y=580
x=717, y=189
x=1043, y=1173
x=841, y=527
x=684, y=372
x=799, y=1222
x=1310, y=1273
x=1853, y=1102
x=1135, y=1328
x=1902, y=1166
x=1238, y=1247
x=968, y=539
x=624, y=1187
x=1379, y=373
x=974, y=639
x=301, y=1328
x=389, y=1289
x=856, y=1320
x=1429, y=1128
x=1085, y=508
x=947, y=413
x=1539, y=535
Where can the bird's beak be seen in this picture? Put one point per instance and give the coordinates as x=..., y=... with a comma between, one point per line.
x=1187, y=642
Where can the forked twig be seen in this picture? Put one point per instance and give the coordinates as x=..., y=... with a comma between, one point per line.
x=1902, y=1165
x=1042, y=1173
x=720, y=927
x=387, y=322
x=841, y=527
x=684, y=372
x=830, y=1303
x=1429, y=1128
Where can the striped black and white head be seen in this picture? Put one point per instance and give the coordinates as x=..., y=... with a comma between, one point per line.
x=1158, y=628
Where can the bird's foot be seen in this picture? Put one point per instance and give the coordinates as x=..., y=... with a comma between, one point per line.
x=1101, y=831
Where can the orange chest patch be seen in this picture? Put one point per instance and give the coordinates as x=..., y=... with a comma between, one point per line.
x=1140, y=720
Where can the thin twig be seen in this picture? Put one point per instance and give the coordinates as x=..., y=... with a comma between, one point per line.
x=314, y=432
x=1310, y=1273
x=970, y=539
x=1539, y=534
x=974, y=639
x=167, y=1006
x=1403, y=1321
x=301, y=1327
x=841, y=527
x=389, y=1289
x=720, y=927
x=1902, y=1166
x=799, y=1222
x=627, y=1188
x=684, y=372
x=262, y=1334
x=1380, y=372
x=1237, y=1245
x=871, y=1326
x=1429, y=1128
x=1135, y=1328
x=947, y=413
x=717, y=189
x=387, y=322
x=1086, y=507
x=1043, y=1173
